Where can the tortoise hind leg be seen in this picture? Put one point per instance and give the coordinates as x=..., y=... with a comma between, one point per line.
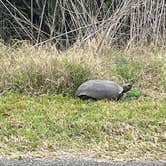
x=84, y=97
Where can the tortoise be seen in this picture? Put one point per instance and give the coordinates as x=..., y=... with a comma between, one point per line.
x=102, y=89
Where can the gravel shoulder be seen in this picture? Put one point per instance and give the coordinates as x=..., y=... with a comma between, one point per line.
x=75, y=162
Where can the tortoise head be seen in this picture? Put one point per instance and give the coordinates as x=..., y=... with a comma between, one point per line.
x=126, y=87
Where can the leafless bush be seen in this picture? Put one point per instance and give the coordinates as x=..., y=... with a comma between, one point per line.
x=64, y=22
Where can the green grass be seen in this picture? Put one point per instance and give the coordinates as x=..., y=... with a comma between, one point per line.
x=46, y=126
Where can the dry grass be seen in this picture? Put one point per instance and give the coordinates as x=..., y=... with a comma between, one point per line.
x=144, y=66
x=41, y=70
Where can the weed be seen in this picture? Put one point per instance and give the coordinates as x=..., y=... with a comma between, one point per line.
x=134, y=93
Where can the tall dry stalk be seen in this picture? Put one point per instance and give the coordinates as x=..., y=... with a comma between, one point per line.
x=63, y=22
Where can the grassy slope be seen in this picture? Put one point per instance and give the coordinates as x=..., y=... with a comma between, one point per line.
x=51, y=125
x=48, y=125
